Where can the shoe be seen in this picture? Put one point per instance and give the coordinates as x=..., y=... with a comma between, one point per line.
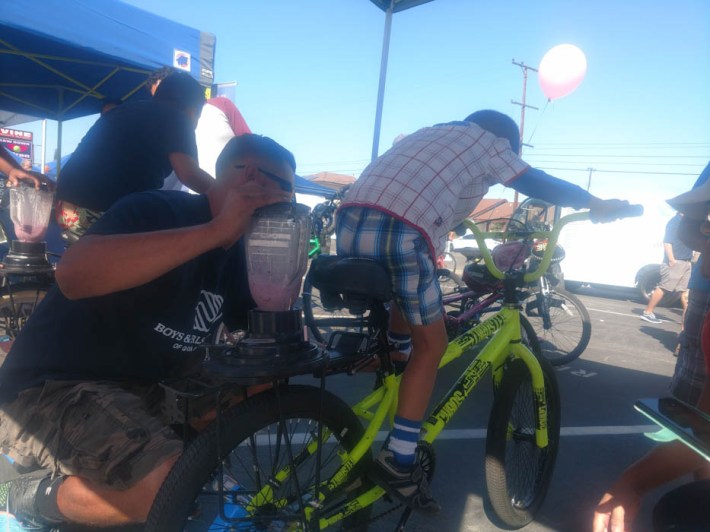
x=650, y=317
x=408, y=485
x=17, y=502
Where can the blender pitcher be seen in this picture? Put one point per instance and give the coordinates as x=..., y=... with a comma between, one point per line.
x=277, y=254
x=30, y=209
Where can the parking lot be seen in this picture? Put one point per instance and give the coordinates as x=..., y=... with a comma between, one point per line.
x=627, y=359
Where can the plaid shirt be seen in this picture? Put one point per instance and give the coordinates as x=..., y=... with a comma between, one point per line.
x=435, y=177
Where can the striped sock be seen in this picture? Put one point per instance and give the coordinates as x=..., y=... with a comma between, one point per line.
x=403, y=440
x=401, y=342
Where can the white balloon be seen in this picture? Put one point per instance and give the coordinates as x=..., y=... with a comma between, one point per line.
x=561, y=70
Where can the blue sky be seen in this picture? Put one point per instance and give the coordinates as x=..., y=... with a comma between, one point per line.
x=307, y=73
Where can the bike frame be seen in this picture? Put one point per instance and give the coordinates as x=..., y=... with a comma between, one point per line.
x=503, y=331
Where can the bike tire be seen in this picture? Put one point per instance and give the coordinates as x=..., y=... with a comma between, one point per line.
x=257, y=447
x=322, y=322
x=449, y=282
x=570, y=325
x=450, y=261
x=17, y=305
x=518, y=473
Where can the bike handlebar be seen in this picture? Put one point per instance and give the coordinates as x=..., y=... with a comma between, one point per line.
x=627, y=211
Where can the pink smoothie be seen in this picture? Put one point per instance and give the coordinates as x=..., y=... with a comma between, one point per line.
x=30, y=233
x=271, y=296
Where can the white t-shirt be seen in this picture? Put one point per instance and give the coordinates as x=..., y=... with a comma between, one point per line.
x=213, y=131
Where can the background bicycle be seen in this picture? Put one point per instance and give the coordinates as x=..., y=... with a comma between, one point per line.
x=558, y=317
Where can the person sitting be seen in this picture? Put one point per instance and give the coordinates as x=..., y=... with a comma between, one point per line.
x=152, y=279
x=399, y=212
x=133, y=148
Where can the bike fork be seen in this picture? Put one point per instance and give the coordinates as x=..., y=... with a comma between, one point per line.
x=543, y=303
x=406, y=514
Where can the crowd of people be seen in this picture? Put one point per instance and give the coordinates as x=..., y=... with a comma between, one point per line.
x=82, y=415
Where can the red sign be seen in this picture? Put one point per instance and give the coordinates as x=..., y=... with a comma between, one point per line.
x=18, y=142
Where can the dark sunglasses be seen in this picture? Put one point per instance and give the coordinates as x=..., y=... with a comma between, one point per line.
x=284, y=184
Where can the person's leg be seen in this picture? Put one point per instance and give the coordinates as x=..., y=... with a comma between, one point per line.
x=690, y=371
x=654, y=300
x=428, y=345
x=82, y=501
x=105, y=454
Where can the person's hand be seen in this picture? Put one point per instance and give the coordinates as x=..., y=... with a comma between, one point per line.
x=601, y=211
x=240, y=202
x=17, y=175
x=616, y=511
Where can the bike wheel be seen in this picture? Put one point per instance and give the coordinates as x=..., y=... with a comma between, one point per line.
x=450, y=262
x=449, y=282
x=16, y=306
x=518, y=472
x=259, y=438
x=561, y=322
x=322, y=321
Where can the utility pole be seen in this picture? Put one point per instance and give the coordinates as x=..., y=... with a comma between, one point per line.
x=523, y=106
x=589, y=180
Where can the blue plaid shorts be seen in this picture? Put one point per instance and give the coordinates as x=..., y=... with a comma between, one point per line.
x=402, y=250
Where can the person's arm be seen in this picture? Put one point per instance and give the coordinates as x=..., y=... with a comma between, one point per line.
x=668, y=250
x=189, y=173
x=661, y=465
x=102, y=264
x=538, y=184
x=15, y=173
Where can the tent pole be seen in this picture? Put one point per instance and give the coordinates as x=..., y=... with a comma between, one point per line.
x=44, y=145
x=58, y=153
x=383, y=75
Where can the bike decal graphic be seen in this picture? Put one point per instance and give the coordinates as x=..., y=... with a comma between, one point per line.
x=481, y=331
x=446, y=410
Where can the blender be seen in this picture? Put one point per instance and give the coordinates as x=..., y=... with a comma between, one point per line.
x=30, y=209
x=277, y=256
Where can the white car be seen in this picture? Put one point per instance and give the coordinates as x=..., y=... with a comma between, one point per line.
x=469, y=241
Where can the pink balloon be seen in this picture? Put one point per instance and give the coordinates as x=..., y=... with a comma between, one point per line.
x=561, y=70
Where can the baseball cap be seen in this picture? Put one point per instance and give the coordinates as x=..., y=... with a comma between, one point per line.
x=695, y=203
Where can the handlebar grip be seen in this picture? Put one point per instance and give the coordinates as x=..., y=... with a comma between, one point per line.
x=630, y=211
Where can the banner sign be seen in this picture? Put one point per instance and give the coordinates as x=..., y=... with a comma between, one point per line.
x=17, y=142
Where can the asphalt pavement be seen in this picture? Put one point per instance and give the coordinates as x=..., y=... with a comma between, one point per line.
x=627, y=359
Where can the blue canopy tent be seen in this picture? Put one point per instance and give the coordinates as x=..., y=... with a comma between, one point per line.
x=60, y=58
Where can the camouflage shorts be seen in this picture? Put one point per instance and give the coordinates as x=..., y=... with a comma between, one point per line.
x=96, y=430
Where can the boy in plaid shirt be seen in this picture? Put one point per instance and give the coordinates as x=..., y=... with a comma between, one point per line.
x=399, y=213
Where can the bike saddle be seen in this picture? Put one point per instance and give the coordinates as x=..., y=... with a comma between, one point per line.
x=352, y=282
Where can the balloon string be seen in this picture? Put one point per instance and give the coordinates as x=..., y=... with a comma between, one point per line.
x=538, y=122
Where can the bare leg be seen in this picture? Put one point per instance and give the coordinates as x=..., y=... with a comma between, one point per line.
x=655, y=299
x=82, y=501
x=428, y=345
x=684, y=305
